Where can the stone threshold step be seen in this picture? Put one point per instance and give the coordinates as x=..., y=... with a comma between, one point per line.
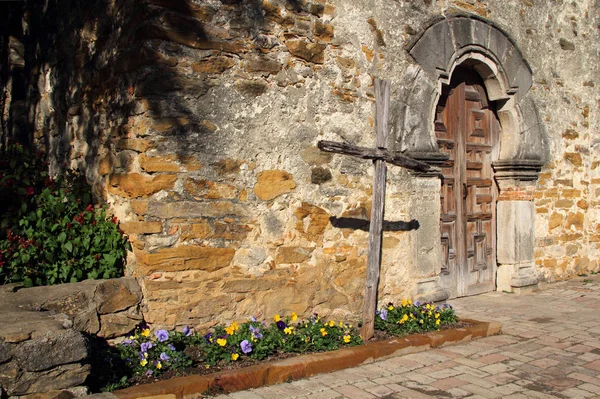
x=306, y=365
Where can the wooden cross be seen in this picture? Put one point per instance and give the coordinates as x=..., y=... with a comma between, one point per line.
x=380, y=155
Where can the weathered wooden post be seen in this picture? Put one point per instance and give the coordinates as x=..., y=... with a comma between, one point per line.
x=380, y=155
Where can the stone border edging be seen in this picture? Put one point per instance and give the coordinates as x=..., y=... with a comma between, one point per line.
x=308, y=365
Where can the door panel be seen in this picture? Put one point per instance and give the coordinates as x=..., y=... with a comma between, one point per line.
x=467, y=130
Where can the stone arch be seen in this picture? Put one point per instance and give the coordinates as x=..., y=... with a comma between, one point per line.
x=472, y=41
x=467, y=39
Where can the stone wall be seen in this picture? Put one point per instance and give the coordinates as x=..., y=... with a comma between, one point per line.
x=198, y=124
x=43, y=332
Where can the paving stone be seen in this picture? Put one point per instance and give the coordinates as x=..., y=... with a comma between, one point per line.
x=470, y=370
x=501, y=378
x=396, y=387
x=476, y=380
x=563, y=383
x=245, y=395
x=585, y=378
x=448, y=383
x=325, y=394
x=575, y=393
x=497, y=368
x=491, y=359
x=353, y=392
x=485, y=392
x=410, y=394
x=544, y=363
x=507, y=389
x=590, y=387
x=380, y=391
x=420, y=378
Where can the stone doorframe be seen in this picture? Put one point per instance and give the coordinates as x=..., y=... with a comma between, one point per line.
x=477, y=43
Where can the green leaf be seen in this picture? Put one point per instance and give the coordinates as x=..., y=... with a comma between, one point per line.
x=69, y=246
x=62, y=237
x=110, y=259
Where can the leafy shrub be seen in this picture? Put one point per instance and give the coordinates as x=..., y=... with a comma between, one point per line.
x=410, y=318
x=51, y=232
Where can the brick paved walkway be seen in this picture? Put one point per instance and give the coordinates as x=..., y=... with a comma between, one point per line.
x=550, y=348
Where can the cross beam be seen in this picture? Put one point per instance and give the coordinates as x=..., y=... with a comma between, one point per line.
x=380, y=155
x=395, y=158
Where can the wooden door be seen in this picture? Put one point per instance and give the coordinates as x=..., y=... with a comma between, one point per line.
x=467, y=129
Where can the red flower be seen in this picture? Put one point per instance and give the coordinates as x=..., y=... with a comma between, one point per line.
x=30, y=190
x=89, y=208
x=79, y=218
x=115, y=220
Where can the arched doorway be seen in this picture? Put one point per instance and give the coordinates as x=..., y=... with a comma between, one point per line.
x=440, y=52
x=467, y=130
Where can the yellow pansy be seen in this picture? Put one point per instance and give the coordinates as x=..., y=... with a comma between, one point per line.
x=145, y=332
x=403, y=319
x=437, y=322
x=331, y=323
x=437, y=315
x=288, y=330
x=234, y=356
x=143, y=363
x=409, y=302
x=391, y=307
x=221, y=342
x=158, y=365
x=323, y=332
x=341, y=324
x=276, y=318
x=294, y=316
x=404, y=302
x=346, y=338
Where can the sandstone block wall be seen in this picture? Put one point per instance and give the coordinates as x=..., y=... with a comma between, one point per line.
x=198, y=122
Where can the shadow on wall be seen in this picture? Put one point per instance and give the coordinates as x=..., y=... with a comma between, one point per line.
x=362, y=224
x=89, y=71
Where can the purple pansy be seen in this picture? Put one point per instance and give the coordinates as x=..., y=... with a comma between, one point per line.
x=246, y=346
x=149, y=372
x=145, y=346
x=164, y=357
x=208, y=338
x=252, y=318
x=281, y=325
x=172, y=347
x=187, y=331
x=162, y=335
x=255, y=332
x=383, y=314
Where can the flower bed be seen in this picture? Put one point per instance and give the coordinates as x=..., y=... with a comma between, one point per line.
x=145, y=356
